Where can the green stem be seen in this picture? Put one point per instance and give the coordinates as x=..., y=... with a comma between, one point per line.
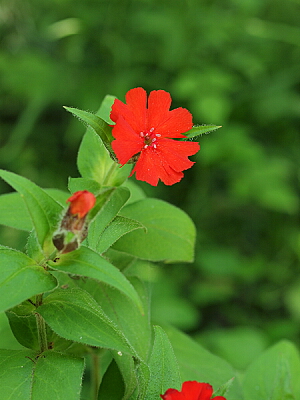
x=95, y=375
x=111, y=170
x=41, y=326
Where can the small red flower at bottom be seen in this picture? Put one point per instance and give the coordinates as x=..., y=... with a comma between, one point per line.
x=81, y=203
x=191, y=390
x=144, y=132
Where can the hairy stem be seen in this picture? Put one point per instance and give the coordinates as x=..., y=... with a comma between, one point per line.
x=95, y=375
x=41, y=326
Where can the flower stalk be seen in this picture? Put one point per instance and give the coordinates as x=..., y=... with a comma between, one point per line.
x=41, y=326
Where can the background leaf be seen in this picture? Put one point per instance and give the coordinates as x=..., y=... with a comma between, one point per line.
x=170, y=232
x=275, y=374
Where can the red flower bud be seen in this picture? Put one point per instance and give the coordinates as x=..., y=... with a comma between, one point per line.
x=81, y=203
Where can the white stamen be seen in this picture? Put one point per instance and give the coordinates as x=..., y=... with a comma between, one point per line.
x=154, y=146
x=151, y=130
x=145, y=146
x=153, y=140
x=158, y=135
x=142, y=134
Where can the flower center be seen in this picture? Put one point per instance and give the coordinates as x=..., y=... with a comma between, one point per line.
x=150, y=138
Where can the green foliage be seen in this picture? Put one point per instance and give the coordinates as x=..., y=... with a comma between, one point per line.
x=169, y=235
x=27, y=377
x=164, y=370
x=21, y=278
x=86, y=262
x=233, y=63
x=275, y=374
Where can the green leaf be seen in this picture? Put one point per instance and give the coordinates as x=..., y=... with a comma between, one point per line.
x=57, y=376
x=50, y=376
x=164, y=370
x=105, y=108
x=116, y=229
x=118, y=307
x=113, y=201
x=14, y=212
x=96, y=123
x=76, y=184
x=137, y=330
x=170, y=232
x=198, y=130
x=21, y=278
x=24, y=329
x=43, y=210
x=86, y=262
x=112, y=385
x=275, y=374
x=16, y=374
x=75, y=315
x=94, y=162
x=196, y=363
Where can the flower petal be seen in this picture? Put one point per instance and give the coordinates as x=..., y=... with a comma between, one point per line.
x=178, y=121
x=159, y=103
x=151, y=167
x=134, y=112
x=127, y=143
x=194, y=390
x=173, y=394
x=176, y=153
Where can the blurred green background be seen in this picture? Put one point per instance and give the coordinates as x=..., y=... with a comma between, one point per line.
x=230, y=62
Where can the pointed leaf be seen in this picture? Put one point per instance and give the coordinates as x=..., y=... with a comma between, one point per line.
x=114, y=201
x=198, y=130
x=21, y=278
x=96, y=123
x=164, y=370
x=105, y=108
x=14, y=212
x=115, y=230
x=75, y=315
x=170, y=234
x=43, y=210
x=94, y=162
x=86, y=262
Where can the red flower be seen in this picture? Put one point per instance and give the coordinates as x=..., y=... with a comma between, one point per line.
x=81, y=203
x=191, y=390
x=146, y=131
